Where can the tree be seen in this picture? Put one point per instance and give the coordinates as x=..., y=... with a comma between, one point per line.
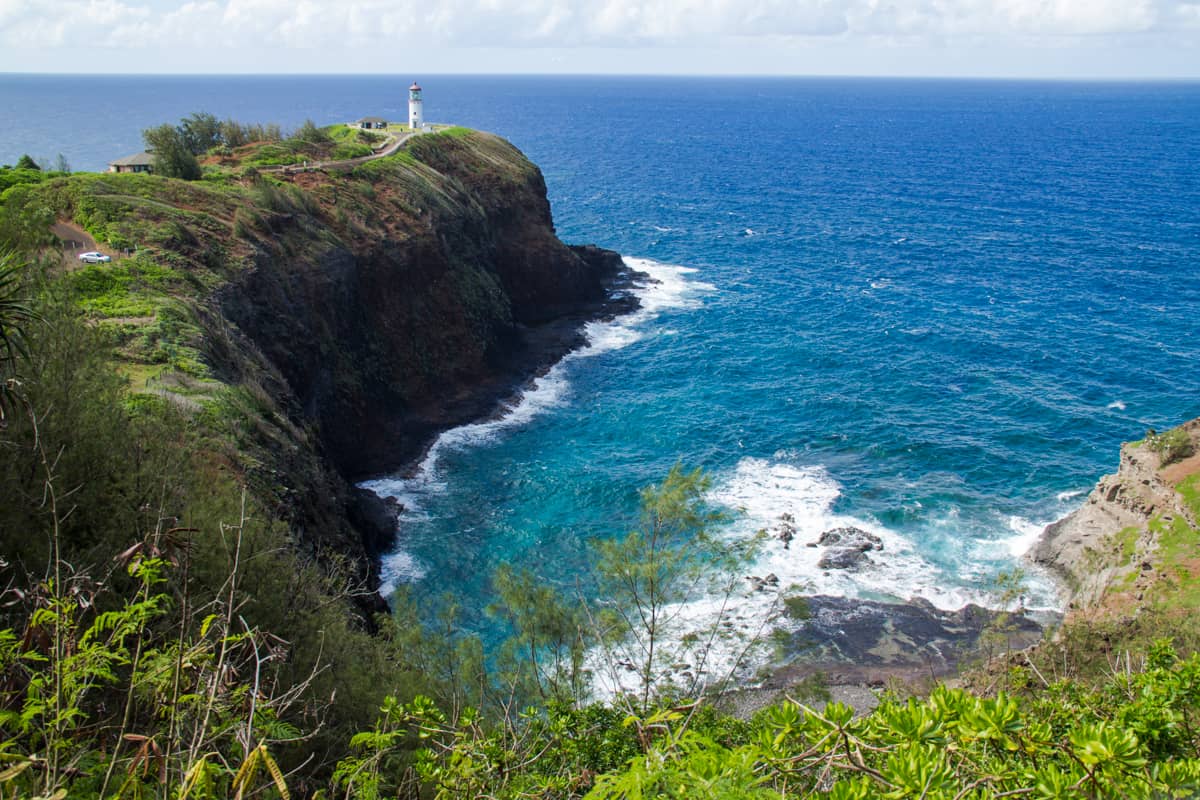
x=545, y=654
x=309, y=132
x=650, y=574
x=25, y=162
x=200, y=132
x=172, y=156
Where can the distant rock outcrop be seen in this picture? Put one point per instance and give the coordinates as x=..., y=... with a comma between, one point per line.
x=1110, y=539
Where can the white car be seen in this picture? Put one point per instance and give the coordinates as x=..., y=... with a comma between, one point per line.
x=94, y=258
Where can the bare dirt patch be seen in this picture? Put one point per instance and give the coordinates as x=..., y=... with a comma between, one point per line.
x=1172, y=474
x=127, y=320
x=75, y=240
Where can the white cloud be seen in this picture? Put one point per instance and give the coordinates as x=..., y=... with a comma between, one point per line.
x=385, y=24
x=55, y=22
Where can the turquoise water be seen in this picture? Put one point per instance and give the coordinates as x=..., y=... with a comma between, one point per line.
x=932, y=309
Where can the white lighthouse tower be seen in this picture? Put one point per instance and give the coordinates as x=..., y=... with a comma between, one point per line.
x=416, y=116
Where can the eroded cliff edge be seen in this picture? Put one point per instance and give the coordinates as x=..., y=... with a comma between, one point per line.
x=1135, y=542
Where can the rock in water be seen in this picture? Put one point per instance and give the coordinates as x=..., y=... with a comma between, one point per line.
x=850, y=538
x=843, y=558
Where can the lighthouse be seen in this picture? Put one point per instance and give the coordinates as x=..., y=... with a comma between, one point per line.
x=416, y=117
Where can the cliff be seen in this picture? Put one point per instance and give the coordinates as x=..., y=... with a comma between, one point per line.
x=1134, y=542
x=321, y=325
x=428, y=285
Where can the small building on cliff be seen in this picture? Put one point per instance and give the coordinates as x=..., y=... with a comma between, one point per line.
x=139, y=162
x=372, y=123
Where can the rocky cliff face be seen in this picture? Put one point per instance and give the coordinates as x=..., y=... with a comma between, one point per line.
x=414, y=295
x=1109, y=552
x=349, y=314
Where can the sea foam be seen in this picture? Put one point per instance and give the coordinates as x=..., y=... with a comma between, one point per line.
x=759, y=492
x=665, y=287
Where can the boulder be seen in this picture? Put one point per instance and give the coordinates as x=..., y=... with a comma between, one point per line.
x=843, y=558
x=849, y=537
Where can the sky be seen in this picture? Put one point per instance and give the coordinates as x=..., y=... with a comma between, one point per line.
x=1107, y=39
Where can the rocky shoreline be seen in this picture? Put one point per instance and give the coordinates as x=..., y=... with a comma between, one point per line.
x=536, y=350
x=851, y=647
x=1106, y=555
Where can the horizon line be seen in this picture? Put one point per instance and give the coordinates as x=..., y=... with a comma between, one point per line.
x=659, y=75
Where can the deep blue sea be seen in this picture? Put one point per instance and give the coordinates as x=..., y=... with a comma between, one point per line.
x=932, y=309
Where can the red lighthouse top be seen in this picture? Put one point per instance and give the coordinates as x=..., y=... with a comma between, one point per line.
x=414, y=87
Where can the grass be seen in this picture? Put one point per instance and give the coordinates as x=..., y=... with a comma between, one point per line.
x=1178, y=562
x=1126, y=541
x=275, y=155
x=1189, y=490
x=140, y=376
x=350, y=150
x=384, y=166
x=343, y=134
x=340, y=142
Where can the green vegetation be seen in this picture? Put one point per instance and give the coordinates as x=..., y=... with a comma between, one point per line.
x=176, y=147
x=351, y=150
x=15, y=318
x=1189, y=490
x=648, y=576
x=1171, y=446
x=144, y=581
x=173, y=157
x=455, y=132
x=168, y=631
x=1179, y=563
x=16, y=177
x=1126, y=541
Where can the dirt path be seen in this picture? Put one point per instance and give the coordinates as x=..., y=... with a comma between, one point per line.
x=74, y=238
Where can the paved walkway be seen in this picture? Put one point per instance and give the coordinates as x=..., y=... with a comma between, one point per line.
x=350, y=163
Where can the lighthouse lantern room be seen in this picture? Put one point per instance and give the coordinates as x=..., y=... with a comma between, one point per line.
x=416, y=117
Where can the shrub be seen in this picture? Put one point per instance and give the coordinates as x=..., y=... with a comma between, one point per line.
x=310, y=133
x=1171, y=446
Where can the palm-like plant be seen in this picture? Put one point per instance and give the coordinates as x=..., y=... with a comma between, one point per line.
x=15, y=315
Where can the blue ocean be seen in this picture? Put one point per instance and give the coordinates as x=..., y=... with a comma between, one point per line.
x=930, y=309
